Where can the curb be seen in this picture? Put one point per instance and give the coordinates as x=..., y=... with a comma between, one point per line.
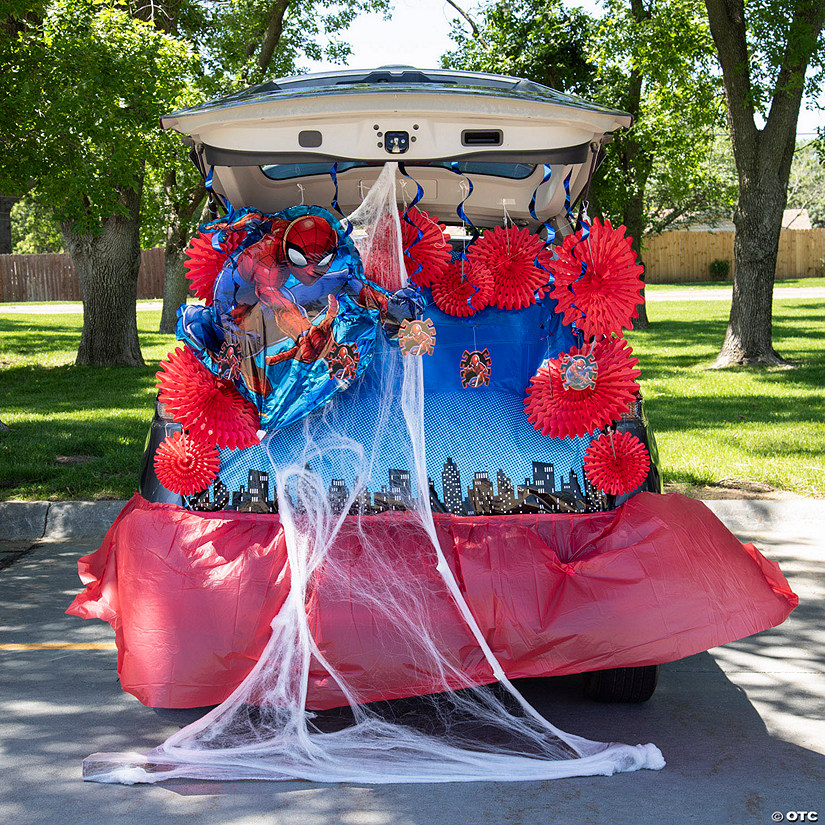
x=34, y=520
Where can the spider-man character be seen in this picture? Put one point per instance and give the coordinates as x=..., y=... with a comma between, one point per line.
x=475, y=368
x=417, y=337
x=343, y=362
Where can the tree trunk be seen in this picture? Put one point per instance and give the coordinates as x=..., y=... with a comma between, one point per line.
x=6, y=204
x=107, y=265
x=175, y=282
x=633, y=218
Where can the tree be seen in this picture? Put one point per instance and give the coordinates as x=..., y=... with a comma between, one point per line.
x=651, y=58
x=87, y=82
x=765, y=50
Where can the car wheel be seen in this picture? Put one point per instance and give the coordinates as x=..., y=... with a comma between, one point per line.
x=622, y=684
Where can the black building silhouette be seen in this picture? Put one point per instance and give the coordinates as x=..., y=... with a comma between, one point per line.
x=451, y=485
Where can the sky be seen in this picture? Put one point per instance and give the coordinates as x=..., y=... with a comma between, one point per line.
x=419, y=33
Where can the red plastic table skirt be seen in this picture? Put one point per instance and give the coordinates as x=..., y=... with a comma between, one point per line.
x=191, y=596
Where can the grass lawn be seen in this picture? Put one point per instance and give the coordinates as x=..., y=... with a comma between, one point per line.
x=78, y=432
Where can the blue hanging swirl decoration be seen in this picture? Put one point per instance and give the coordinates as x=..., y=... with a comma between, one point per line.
x=550, y=232
x=584, y=227
x=465, y=218
x=218, y=237
x=419, y=234
x=333, y=173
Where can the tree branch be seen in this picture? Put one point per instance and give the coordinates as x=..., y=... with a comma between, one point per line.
x=473, y=25
x=273, y=35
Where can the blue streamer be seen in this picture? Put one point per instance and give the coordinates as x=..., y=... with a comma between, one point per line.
x=333, y=173
x=223, y=201
x=465, y=218
x=548, y=228
x=406, y=217
x=585, y=232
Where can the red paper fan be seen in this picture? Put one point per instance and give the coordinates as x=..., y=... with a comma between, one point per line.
x=208, y=408
x=463, y=289
x=607, y=295
x=566, y=413
x=185, y=465
x=204, y=262
x=427, y=258
x=616, y=464
x=510, y=255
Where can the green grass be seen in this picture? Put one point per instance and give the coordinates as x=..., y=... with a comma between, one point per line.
x=744, y=423
x=99, y=415
x=748, y=423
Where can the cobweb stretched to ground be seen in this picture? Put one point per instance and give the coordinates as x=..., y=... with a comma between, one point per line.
x=453, y=731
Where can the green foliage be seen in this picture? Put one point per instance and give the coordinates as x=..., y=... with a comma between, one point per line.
x=719, y=269
x=33, y=229
x=91, y=83
x=806, y=186
x=651, y=59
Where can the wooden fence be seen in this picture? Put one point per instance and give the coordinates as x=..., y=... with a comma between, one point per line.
x=679, y=257
x=53, y=277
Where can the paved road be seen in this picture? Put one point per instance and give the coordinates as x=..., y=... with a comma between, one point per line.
x=741, y=728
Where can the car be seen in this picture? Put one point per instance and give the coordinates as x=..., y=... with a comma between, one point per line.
x=562, y=576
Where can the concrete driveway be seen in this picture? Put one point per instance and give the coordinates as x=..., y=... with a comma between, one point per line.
x=741, y=727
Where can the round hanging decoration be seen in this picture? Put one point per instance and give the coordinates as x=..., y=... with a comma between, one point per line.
x=616, y=464
x=605, y=298
x=462, y=289
x=209, y=409
x=185, y=465
x=510, y=254
x=425, y=258
x=204, y=262
x=561, y=411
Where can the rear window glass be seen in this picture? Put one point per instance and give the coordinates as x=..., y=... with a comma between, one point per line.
x=290, y=171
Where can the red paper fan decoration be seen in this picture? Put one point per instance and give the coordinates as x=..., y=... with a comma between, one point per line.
x=510, y=255
x=185, y=465
x=462, y=290
x=208, y=408
x=616, y=465
x=561, y=412
x=204, y=262
x=427, y=258
x=605, y=298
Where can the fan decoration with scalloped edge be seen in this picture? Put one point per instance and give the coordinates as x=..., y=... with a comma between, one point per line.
x=209, y=409
x=463, y=289
x=186, y=465
x=510, y=254
x=203, y=262
x=561, y=412
x=616, y=463
x=426, y=257
x=604, y=298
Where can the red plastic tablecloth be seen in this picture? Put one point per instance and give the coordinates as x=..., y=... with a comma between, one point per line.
x=191, y=595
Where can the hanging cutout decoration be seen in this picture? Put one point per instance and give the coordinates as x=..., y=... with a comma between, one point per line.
x=579, y=372
x=208, y=408
x=417, y=337
x=569, y=413
x=598, y=280
x=511, y=254
x=185, y=465
x=205, y=258
x=343, y=362
x=475, y=368
x=616, y=463
x=463, y=289
x=427, y=249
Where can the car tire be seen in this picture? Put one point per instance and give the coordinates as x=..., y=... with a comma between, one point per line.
x=622, y=684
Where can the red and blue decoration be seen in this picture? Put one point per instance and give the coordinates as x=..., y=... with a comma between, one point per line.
x=417, y=337
x=427, y=249
x=597, y=280
x=463, y=289
x=228, y=361
x=210, y=409
x=579, y=372
x=475, y=368
x=205, y=258
x=510, y=255
x=559, y=412
x=343, y=362
x=185, y=465
x=616, y=463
